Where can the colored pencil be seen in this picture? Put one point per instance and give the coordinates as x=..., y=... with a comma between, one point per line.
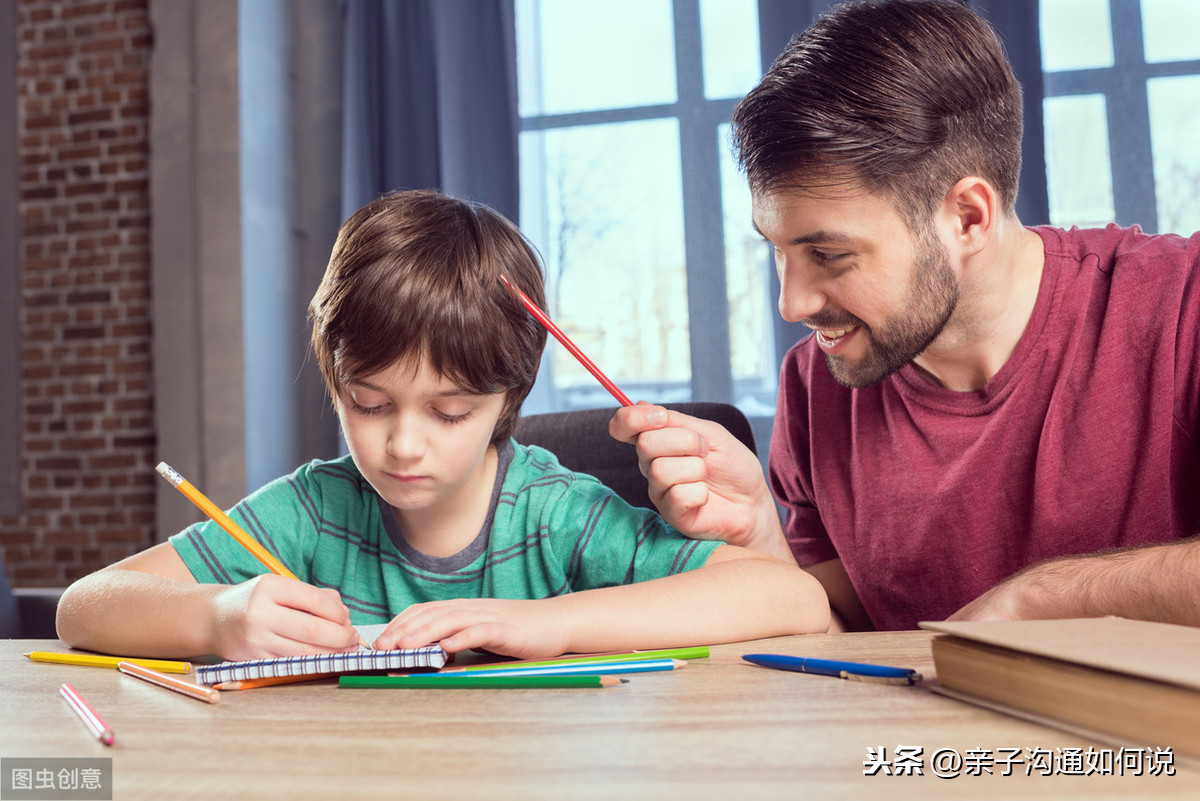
x=83, y=709
x=607, y=668
x=459, y=681
x=223, y=520
x=549, y=325
x=95, y=660
x=268, y=681
x=697, y=652
x=206, y=694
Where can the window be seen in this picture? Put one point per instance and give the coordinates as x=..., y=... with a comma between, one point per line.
x=1122, y=84
x=629, y=190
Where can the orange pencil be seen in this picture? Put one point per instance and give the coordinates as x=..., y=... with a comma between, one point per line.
x=171, y=683
x=268, y=681
x=231, y=528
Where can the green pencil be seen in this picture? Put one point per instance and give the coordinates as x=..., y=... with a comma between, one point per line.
x=445, y=681
x=697, y=652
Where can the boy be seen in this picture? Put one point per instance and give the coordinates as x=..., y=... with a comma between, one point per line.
x=437, y=521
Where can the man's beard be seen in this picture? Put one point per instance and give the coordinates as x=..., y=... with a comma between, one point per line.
x=930, y=302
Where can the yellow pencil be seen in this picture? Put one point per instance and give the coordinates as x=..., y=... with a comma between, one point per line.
x=233, y=529
x=95, y=660
x=223, y=520
x=169, y=682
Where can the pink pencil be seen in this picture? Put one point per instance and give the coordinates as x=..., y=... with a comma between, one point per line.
x=83, y=709
x=549, y=325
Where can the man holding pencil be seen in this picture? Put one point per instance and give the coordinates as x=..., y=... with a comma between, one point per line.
x=989, y=421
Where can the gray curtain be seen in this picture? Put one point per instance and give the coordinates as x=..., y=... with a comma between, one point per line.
x=430, y=100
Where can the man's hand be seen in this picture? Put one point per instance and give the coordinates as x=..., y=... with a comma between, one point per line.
x=1021, y=597
x=703, y=480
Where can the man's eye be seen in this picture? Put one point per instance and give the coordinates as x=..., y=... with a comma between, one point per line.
x=827, y=257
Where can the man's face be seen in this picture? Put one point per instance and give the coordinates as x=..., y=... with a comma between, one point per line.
x=849, y=268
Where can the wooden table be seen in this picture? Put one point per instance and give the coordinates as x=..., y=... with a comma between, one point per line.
x=718, y=728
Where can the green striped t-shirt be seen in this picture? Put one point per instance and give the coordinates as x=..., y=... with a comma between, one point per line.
x=549, y=531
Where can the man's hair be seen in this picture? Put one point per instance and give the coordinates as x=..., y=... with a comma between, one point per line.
x=902, y=98
x=416, y=274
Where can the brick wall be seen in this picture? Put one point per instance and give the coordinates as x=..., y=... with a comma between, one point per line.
x=88, y=449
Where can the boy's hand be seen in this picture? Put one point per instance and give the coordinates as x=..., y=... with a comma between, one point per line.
x=523, y=629
x=704, y=481
x=272, y=615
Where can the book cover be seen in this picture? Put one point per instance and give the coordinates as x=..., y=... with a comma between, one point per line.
x=1130, y=682
x=430, y=656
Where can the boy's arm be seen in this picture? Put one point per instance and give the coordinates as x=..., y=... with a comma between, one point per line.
x=151, y=605
x=737, y=595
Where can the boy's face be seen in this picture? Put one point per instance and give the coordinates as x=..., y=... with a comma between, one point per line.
x=420, y=439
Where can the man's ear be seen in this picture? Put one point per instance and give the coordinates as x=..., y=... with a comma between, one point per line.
x=970, y=212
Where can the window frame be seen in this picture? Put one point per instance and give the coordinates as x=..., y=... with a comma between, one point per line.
x=1124, y=86
x=699, y=119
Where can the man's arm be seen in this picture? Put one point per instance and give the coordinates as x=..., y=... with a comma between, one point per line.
x=1154, y=582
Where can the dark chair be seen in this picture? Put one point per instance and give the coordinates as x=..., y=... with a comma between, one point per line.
x=27, y=612
x=581, y=442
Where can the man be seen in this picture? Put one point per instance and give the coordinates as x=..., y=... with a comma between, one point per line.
x=989, y=421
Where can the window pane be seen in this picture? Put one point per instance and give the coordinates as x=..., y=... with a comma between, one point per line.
x=1174, y=120
x=604, y=205
x=583, y=56
x=1078, y=173
x=1075, y=34
x=729, y=41
x=1169, y=30
x=748, y=287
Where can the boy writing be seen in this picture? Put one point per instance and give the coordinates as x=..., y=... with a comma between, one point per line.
x=437, y=521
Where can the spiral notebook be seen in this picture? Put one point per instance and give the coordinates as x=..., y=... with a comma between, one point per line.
x=429, y=656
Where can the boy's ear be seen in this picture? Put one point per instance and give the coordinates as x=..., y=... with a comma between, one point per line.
x=970, y=211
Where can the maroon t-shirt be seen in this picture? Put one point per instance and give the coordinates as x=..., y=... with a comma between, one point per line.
x=1086, y=439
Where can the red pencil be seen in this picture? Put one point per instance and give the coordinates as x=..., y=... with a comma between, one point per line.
x=549, y=325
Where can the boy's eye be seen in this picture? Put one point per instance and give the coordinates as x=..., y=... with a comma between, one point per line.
x=367, y=410
x=452, y=419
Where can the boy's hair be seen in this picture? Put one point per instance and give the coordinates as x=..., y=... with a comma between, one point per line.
x=416, y=274
x=903, y=98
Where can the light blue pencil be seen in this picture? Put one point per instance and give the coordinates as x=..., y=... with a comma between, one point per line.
x=590, y=668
